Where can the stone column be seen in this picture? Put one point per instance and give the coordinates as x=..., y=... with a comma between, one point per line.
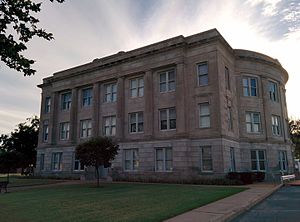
x=180, y=100
x=73, y=116
x=120, y=109
x=149, y=112
x=53, y=124
x=96, y=104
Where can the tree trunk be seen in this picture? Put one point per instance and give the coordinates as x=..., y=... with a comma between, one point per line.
x=97, y=173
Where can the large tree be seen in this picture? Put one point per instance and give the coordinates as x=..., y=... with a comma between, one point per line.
x=17, y=27
x=96, y=152
x=21, y=143
x=295, y=135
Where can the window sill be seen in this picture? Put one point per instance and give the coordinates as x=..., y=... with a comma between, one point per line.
x=134, y=133
x=206, y=172
x=165, y=130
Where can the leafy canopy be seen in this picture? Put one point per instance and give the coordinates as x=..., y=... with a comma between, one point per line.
x=17, y=26
x=295, y=135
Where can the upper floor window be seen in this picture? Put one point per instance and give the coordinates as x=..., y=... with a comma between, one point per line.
x=167, y=81
x=276, y=128
x=87, y=97
x=136, y=122
x=230, y=121
x=203, y=74
x=56, y=163
x=167, y=118
x=273, y=91
x=85, y=128
x=163, y=159
x=66, y=99
x=110, y=92
x=131, y=159
x=109, y=126
x=227, y=78
x=204, y=115
x=253, y=122
x=282, y=159
x=258, y=160
x=47, y=104
x=45, y=130
x=206, y=163
x=137, y=87
x=64, y=130
x=250, y=86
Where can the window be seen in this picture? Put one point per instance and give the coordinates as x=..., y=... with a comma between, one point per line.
x=283, y=164
x=253, y=124
x=250, y=86
x=137, y=87
x=42, y=162
x=227, y=78
x=232, y=160
x=131, y=159
x=110, y=92
x=273, y=91
x=163, y=157
x=45, y=130
x=276, y=128
x=136, y=122
x=204, y=115
x=56, y=161
x=203, y=74
x=66, y=99
x=85, y=128
x=258, y=160
x=47, y=104
x=230, y=123
x=64, y=131
x=78, y=166
x=87, y=97
x=109, y=126
x=206, y=159
x=167, y=119
x=167, y=81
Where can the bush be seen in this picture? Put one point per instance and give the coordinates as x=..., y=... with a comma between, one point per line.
x=246, y=177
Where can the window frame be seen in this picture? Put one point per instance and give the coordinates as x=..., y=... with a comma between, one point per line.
x=87, y=99
x=230, y=119
x=42, y=162
x=111, y=94
x=59, y=163
x=201, y=115
x=167, y=82
x=227, y=78
x=110, y=126
x=232, y=160
x=249, y=86
x=207, y=159
x=273, y=95
x=139, y=87
x=80, y=167
x=47, y=104
x=65, y=132
x=66, y=101
x=168, y=119
x=45, y=131
x=136, y=122
x=133, y=160
x=257, y=160
x=199, y=75
x=276, y=129
x=87, y=131
x=283, y=161
x=164, y=159
x=253, y=123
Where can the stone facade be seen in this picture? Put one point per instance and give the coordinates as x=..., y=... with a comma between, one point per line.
x=224, y=118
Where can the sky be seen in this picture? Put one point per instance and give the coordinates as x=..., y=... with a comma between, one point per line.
x=89, y=29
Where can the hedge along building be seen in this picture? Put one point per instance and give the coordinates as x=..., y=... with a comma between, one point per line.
x=182, y=108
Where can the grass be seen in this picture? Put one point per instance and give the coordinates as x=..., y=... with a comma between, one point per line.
x=111, y=202
x=16, y=180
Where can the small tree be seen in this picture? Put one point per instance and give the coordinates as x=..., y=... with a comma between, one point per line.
x=96, y=152
x=295, y=135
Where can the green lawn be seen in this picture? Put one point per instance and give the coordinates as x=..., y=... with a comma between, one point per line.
x=111, y=202
x=18, y=180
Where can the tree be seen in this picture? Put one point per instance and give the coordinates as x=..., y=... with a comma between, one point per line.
x=21, y=144
x=96, y=152
x=295, y=135
x=8, y=162
x=18, y=15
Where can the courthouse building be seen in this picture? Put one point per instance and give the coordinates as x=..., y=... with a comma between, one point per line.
x=182, y=108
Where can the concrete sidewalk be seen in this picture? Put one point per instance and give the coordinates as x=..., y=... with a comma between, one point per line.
x=227, y=208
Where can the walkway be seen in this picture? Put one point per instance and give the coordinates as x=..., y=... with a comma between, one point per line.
x=227, y=208
x=282, y=206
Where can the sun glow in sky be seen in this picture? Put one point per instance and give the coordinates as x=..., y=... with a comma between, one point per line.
x=85, y=30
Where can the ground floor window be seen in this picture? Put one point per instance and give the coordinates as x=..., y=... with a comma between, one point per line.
x=206, y=164
x=258, y=160
x=163, y=159
x=78, y=166
x=131, y=159
x=283, y=164
x=42, y=161
x=56, y=161
x=232, y=160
